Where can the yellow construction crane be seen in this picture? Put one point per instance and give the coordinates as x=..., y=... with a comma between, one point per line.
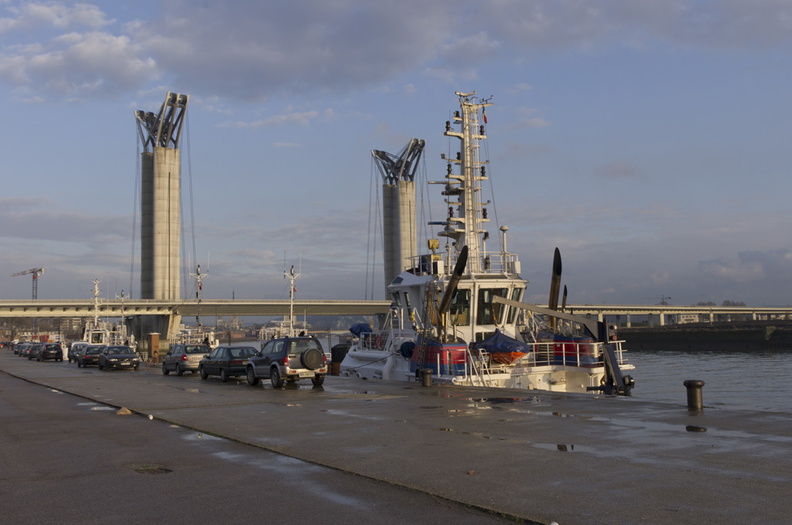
x=36, y=272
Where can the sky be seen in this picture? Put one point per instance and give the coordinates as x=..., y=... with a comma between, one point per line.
x=649, y=141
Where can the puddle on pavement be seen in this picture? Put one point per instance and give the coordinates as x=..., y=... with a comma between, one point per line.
x=561, y=447
x=352, y=414
x=150, y=469
x=95, y=406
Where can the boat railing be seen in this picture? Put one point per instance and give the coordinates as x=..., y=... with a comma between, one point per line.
x=481, y=364
x=574, y=353
x=380, y=339
x=490, y=263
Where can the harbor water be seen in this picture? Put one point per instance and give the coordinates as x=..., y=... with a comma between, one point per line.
x=739, y=380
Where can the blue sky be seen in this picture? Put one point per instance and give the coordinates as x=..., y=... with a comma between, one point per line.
x=648, y=140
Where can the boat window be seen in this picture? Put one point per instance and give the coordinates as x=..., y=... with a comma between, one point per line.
x=516, y=294
x=397, y=299
x=407, y=300
x=460, y=308
x=487, y=311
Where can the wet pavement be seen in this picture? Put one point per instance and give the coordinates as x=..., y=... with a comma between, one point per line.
x=542, y=457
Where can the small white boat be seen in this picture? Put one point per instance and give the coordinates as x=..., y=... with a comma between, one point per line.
x=457, y=312
x=103, y=332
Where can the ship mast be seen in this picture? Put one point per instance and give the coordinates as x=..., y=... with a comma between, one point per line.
x=463, y=189
x=96, y=293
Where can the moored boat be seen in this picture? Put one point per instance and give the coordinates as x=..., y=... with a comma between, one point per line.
x=103, y=332
x=457, y=312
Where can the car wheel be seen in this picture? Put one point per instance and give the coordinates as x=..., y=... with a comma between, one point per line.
x=223, y=375
x=179, y=370
x=165, y=370
x=251, y=376
x=203, y=373
x=318, y=380
x=79, y=365
x=312, y=359
x=275, y=378
x=135, y=367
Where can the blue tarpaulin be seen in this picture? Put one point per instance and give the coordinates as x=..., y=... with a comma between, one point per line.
x=500, y=342
x=360, y=328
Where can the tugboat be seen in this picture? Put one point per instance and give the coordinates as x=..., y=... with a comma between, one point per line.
x=98, y=332
x=196, y=335
x=457, y=312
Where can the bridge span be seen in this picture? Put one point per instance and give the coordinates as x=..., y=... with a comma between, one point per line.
x=660, y=314
x=624, y=314
x=236, y=307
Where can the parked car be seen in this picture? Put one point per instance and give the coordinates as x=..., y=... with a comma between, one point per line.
x=183, y=358
x=118, y=356
x=81, y=348
x=74, y=348
x=19, y=348
x=89, y=355
x=226, y=361
x=52, y=351
x=31, y=352
x=288, y=359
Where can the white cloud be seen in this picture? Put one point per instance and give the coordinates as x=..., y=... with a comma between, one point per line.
x=31, y=15
x=252, y=51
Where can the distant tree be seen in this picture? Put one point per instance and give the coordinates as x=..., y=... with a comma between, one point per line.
x=705, y=303
x=733, y=303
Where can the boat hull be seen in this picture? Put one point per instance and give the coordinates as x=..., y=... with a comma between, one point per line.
x=451, y=363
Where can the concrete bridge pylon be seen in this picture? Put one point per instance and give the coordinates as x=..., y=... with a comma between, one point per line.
x=160, y=224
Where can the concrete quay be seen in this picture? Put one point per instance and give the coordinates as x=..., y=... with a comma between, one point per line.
x=533, y=456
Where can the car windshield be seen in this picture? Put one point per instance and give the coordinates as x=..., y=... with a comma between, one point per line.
x=197, y=349
x=117, y=350
x=92, y=351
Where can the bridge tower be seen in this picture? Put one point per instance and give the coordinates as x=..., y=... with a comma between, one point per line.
x=398, y=205
x=160, y=220
x=160, y=226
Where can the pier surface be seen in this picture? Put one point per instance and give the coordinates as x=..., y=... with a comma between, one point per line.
x=533, y=456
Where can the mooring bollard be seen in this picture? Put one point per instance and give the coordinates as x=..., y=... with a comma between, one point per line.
x=695, y=398
x=426, y=377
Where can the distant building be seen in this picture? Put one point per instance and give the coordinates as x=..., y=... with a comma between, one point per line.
x=688, y=318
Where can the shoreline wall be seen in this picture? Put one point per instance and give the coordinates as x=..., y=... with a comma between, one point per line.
x=726, y=337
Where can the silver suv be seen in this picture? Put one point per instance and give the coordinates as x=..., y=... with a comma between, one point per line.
x=184, y=358
x=288, y=359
